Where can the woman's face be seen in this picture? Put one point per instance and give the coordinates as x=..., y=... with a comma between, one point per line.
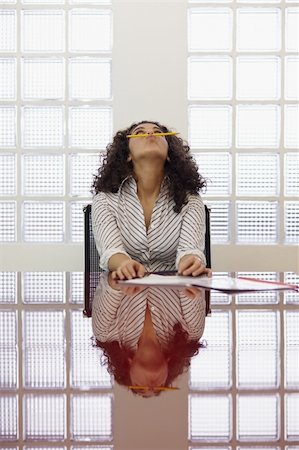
x=149, y=367
x=149, y=377
x=153, y=147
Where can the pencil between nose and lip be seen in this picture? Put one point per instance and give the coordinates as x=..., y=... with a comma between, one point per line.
x=170, y=133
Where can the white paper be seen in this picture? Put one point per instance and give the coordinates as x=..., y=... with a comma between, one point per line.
x=226, y=284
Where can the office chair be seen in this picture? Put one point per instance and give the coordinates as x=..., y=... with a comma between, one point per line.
x=92, y=269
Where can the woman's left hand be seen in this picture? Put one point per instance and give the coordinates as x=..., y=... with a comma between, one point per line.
x=192, y=265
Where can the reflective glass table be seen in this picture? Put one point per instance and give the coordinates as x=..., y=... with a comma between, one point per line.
x=236, y=386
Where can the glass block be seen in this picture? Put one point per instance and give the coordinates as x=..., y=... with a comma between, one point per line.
x=92, y=447
x=44, y=448
x=86, y=368
x=211, y=368
x=291, y=129
x=258, y=417
x=95, y=2
x=82, y=169
x=8, y=28
x=220, y=298
x=91, y=417
x=257, y=222
x=209, y=448
x=8, y=287
x=8, y=78
x=210, y=78
x=258, y=126
x=90, y=127
x=42, y=31
x=9, y=448
x=210, y=126
x=210, y=417
x=291, y=170
x=291, y=323
x=220, y=221
x=44, y=342
x=258, y=298
x=77, y=221
x=43, y=126
x=43, y=221
x=42, y=2
x=258, y=448
x=8, y=351
x=257, y=356
x=76, y=288
x=291, y=222
x=7, y=126
x=90, y=78
x=291, y=29
x=291, y=297
x=291, y=417
x=257, y=174
x=210, y=29
x=7, y=174
x=258, y=1
x=258, y=29
x=43, y=175
x=44, y=417
x=42, y=78
x=258, y=78
x=43, y=287
x=90, y=31
x=291, y=76
x=7, y=221
x=217, y=169
x=8, y=417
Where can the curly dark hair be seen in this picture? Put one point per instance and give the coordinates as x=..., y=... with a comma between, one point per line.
x=181, y=168
x=179, y=352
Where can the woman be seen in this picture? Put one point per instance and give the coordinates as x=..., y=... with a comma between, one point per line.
x=147, y=214
x=148, y=336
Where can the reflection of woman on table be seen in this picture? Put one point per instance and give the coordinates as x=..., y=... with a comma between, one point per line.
x=148, y=337
x=147, y=214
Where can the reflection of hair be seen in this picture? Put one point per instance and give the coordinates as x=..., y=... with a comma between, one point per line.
x=179, y=351
x=181, y=168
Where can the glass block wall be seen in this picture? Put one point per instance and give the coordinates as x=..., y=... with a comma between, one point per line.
x=243, y=386
x=243, y=94
x=55, y=114
x=55, y=393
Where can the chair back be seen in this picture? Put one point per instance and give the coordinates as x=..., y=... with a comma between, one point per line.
x=92, y=260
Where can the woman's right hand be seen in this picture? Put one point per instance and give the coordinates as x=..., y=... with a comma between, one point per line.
x=129, y=269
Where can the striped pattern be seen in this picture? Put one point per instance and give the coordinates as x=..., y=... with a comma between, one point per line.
x=119, y=227
x=119, y=317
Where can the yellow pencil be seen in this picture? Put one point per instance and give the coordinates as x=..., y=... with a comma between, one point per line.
x=146, y=388
x=170, y=133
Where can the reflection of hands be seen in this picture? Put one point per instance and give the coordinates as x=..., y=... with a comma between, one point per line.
x=193, y=292
x=129, y=269
x=128, y=290
x=113, y=283
x=192, y=265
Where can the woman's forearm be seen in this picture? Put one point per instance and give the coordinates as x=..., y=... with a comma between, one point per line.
x=116, y=260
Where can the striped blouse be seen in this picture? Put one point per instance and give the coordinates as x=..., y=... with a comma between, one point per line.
x=119, y=317
x=119, y=227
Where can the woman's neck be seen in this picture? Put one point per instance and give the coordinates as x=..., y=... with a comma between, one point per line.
x=149, y=180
